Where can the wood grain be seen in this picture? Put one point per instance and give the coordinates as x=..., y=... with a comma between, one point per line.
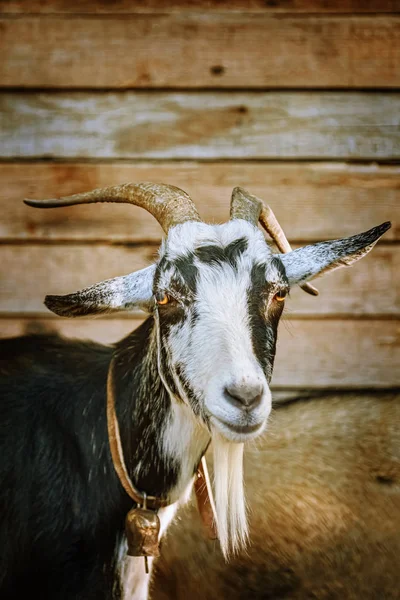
x=311, y=354
x=28, y=273
x=312, y=201
x=206, y=125
x=338, y=354
x=167, y=6
x=200, y=51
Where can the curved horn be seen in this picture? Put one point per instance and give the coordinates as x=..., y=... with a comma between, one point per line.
x=167, y=203
x=252, y=209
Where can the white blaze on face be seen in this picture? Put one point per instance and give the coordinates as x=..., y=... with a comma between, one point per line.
x=227, y=356
x=214, y=343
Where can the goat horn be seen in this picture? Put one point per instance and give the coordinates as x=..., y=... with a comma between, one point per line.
x=252, y=209
x=167, y=203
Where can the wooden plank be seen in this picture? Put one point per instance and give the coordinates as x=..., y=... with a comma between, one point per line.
x=28, y=273
x=311, y=354
x=200, y=51
x=167, y=6
x=208, y=125
x=312, y=201
x=338, y=354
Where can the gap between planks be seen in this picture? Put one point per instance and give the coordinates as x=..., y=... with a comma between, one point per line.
x=126, y=7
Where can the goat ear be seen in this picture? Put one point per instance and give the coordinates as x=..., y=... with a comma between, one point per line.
x=315, y=260
x=120, y=293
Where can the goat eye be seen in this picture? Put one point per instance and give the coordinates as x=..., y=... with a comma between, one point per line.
x=281, y=295
x=162, y=298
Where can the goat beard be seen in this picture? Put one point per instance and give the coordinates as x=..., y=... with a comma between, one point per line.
x=230, y=501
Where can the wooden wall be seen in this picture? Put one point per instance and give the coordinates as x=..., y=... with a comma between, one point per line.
x=296, y=100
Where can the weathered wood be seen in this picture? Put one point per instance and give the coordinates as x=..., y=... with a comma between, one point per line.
x=166, y=6
x=312, y=201
x=210, y=125
x=311, y=354
x=200, y=50
x=28, y=273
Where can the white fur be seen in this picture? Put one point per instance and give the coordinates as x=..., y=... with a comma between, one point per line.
x=182, y=239
x=185, y=439
x=229, y=495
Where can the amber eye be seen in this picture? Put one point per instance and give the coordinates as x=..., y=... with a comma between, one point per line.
x=162, y=298
x=281, y=295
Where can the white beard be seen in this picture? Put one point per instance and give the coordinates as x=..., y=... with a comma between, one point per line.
x=229, y=495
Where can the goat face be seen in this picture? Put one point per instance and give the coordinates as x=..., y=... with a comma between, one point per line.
x=218, y=292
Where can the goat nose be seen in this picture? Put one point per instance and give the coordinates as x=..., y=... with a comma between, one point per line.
x=244, y=395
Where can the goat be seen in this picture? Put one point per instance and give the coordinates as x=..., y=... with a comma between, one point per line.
x=323, y=486
x=198, y=369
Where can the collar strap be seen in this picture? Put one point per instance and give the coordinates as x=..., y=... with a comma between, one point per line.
x=205, y=500
x=117, y=455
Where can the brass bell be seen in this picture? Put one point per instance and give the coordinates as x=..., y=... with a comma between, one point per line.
x=142, y=531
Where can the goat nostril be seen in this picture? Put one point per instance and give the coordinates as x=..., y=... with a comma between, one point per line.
x=244, y=395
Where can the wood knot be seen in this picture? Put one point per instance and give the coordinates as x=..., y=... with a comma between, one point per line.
x=217, y=70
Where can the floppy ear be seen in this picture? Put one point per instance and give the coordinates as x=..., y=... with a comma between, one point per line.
x=120, y=293
x=315, y=260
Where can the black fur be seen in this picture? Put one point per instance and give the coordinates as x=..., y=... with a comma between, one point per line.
x=188, y=271
x=263, y=322
x=214, y=255
x=62, y=508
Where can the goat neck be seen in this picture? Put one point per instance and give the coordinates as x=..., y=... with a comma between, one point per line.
x=161, y=439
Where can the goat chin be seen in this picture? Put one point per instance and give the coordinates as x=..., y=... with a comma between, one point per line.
x=229, y=495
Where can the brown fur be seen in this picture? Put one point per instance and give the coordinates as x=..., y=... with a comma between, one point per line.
x=323, y=488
